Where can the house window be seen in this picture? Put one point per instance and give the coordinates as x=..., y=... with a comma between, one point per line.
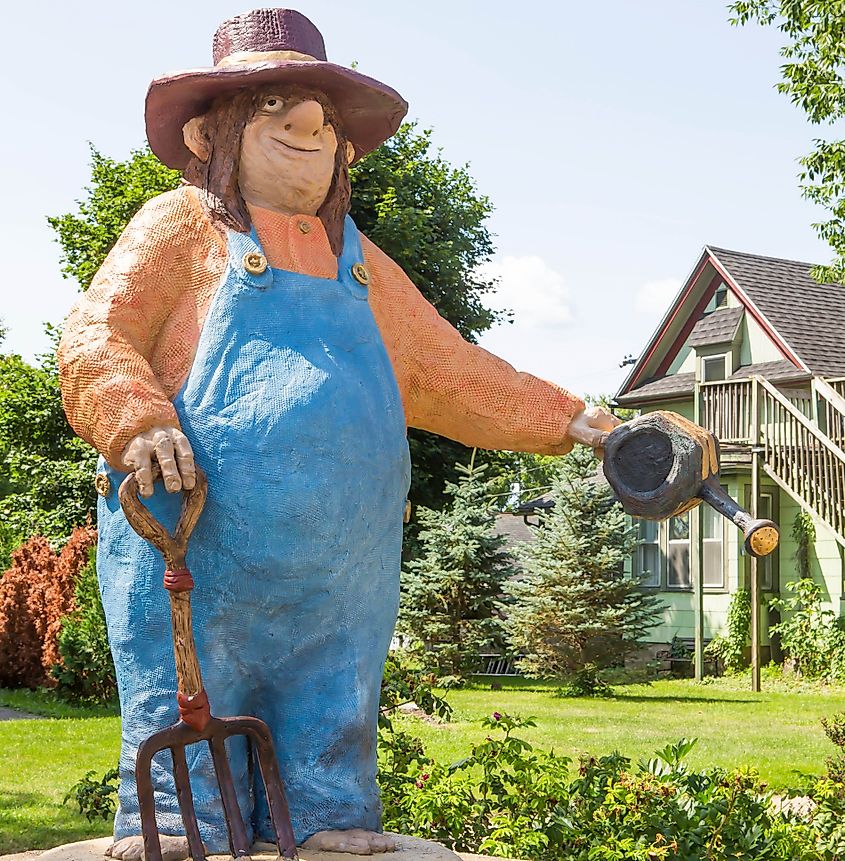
x=677, y=556
x=712, y=546
x=713, y=368
x=720, y=298
x=647, y=553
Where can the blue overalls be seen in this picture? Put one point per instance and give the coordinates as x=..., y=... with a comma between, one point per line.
x=293, y=412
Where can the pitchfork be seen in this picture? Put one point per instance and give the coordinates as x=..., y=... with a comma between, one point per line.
x=195, y=720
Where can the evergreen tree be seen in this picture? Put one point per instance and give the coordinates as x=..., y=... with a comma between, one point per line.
x=572, y=604
x=450, y=592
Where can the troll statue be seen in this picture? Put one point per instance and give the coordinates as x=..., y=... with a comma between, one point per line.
x=242, y=323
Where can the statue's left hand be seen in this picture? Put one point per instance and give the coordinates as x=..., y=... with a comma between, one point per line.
x=591, y=426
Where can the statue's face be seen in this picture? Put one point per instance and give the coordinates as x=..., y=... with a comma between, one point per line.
x=287, y=155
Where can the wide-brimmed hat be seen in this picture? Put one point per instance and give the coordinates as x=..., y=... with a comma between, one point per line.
x=260, y=48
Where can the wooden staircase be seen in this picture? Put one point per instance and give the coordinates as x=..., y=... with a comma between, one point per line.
x=800, y=439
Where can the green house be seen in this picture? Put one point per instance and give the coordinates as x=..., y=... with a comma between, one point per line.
x=752, y=348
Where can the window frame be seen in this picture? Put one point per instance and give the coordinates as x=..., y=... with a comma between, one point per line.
x=706, y=359
x=637, y=566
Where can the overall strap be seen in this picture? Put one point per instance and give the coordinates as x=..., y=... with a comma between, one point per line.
x=247, y=259
x=350, y=265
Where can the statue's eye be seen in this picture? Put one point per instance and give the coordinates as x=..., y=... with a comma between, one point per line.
x=272, y=104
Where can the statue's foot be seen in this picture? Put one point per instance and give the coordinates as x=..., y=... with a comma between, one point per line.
x=356, y=841
x=132, y=848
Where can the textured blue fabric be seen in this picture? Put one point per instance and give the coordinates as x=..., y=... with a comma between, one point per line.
x=294, y=414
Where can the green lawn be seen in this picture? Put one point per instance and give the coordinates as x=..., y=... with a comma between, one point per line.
x=777, y=731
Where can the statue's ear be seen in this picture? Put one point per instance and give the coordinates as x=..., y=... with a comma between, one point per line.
x=350, y=152
x=196, y=140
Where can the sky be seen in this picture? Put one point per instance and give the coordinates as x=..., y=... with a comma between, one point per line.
x=614, y=140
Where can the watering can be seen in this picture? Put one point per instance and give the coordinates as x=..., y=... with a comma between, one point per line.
x=661, y=465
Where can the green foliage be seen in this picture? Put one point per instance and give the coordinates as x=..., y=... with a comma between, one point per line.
x=834, y=729
x=450, y=592
x=400, y=754
x=811, y=636
x=86, y=672
x=586, y=682
x=573, y=605
x=804, y=533
x=729, y=647
x=47, y=486
x=95, y=797
x=509, y=799
x=813, y=77
x=118, y=190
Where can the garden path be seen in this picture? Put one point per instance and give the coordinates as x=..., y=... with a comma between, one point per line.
x=14, y=714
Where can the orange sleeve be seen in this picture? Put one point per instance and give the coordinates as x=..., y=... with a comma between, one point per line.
x=109, y=388
x=455, y=388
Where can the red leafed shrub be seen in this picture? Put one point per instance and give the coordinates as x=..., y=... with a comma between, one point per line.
x=35, y=593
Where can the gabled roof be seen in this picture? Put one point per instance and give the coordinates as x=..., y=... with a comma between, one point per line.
x=805, y=320
x=809, y=315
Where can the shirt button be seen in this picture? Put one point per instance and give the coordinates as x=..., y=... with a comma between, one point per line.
x=304, y=227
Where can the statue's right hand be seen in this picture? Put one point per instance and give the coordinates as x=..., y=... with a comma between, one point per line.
x=173, y=453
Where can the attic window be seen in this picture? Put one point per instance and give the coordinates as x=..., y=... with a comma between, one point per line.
x=713, y=369
x=720, y=298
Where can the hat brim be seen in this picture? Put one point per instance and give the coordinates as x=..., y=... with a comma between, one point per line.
x=370, y=111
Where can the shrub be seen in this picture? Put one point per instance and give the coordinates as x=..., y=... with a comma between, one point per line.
x=509, y=799
x=729, y=646
x=85, y=671
x=35, y=593
x=810, y=635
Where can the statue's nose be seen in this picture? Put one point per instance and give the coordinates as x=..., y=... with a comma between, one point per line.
x=305, y=119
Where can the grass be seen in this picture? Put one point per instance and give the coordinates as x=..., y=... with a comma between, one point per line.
x=777, y=731
x=41, y=759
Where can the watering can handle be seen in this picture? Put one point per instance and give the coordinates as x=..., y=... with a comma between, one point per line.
x=194, y=709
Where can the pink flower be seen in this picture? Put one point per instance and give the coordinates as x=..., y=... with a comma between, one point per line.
x=496, y=716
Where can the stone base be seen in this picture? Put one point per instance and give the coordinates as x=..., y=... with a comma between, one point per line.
x=408, y=849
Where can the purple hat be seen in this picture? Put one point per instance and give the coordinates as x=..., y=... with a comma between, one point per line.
x=264, y=47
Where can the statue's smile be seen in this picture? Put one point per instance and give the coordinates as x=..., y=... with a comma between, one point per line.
x=291, y=146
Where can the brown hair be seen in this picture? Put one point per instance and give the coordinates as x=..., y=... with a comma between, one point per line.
x=217, y=176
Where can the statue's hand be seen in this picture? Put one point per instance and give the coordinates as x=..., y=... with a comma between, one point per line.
x=173, y=453
x=591, y=426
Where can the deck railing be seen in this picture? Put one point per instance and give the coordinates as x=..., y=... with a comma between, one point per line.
x=805, y=458
x=829, y=404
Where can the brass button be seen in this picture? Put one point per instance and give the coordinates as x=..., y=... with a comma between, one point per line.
x=102, y=484
x=255, y=263
x=304, y=227
x=360, y=274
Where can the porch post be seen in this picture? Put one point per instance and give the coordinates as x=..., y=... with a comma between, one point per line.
x=697, y=576
x=697, y=562
x=755, y=579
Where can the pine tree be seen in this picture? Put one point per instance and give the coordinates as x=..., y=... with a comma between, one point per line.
x=451, y=591
x=572, y=605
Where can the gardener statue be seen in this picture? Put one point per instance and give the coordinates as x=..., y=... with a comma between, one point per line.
x=243, y=323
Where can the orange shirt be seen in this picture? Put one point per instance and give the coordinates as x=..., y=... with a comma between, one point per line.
x=129, y=342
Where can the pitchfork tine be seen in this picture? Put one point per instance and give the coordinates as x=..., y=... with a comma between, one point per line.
x=186, y=803
x=237, y=833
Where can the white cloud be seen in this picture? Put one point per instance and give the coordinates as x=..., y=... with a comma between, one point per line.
x=654, y=297
x=529, y=287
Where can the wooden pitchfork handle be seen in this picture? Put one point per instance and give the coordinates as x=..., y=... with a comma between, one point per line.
x=193, y=701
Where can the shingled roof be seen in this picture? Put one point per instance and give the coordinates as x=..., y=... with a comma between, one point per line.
x=717, y=327
x=808, y=315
